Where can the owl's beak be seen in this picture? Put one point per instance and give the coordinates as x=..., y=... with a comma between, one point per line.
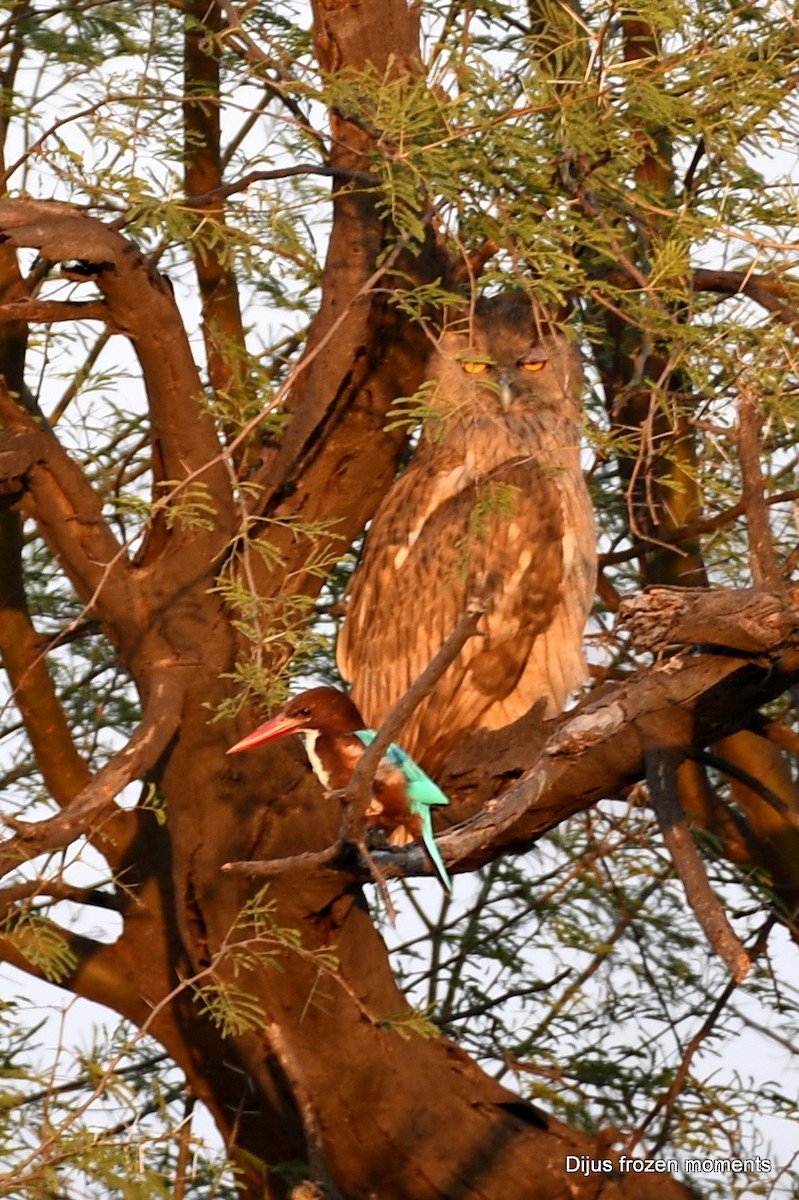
x=505, y=393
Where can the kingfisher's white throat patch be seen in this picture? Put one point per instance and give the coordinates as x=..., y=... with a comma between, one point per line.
x=310, y=736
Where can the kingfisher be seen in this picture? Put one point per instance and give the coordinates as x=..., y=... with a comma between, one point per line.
x=335, y=741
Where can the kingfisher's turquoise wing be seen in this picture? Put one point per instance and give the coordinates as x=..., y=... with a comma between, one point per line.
x=422, y=791
x=423, y=794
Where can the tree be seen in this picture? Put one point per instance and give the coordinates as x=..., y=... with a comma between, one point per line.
x=168, y=529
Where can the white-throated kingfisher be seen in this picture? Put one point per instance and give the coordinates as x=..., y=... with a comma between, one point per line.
x=335, y=741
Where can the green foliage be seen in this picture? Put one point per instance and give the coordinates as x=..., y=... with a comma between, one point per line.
x=89, y=1132
x=41, y=942
x=407, y=1023
x=280, y=635
x=233, y=1010
x=153, y=802
x=501, y=499
x=409, y=411
x=256, y=942
x=190, y=506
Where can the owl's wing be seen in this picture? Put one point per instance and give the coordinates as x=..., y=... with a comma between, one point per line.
x=376, y=648
x=501, y=541
x=442, y=538
x=555, y=663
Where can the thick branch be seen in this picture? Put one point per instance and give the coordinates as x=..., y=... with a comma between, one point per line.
x=65, y=772
x=34, y=889
x=764, y=794
x=598, y=752
x=141, y=305
x=401, y=862
x=749, y=620
x=753, y=784
x=48, y=312
x=765, y=290
x=223, y=328
x=101, y=971
x=67, y=510
x=160, y=720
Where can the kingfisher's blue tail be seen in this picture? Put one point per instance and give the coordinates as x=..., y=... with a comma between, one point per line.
x=433, y=853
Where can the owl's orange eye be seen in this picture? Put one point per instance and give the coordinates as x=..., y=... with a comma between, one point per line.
x=475, y=368
x=534, y=365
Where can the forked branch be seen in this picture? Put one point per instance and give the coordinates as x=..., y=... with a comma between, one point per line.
x=96, y=801
x=67, y=509
x=140, y=304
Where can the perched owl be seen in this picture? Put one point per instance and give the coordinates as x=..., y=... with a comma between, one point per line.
x=493, y=506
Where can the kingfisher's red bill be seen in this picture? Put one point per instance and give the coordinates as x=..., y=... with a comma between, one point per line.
x=279, y=726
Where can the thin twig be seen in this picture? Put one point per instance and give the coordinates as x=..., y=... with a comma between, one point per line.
x=661, y=776
x=182, y=1166
x=364, y=178
x=359, y=790
x=762, y=560
x=379, y=877
x=684, y=532
x=669, y=1097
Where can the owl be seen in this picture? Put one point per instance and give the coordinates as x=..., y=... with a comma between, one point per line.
x=492, y=507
